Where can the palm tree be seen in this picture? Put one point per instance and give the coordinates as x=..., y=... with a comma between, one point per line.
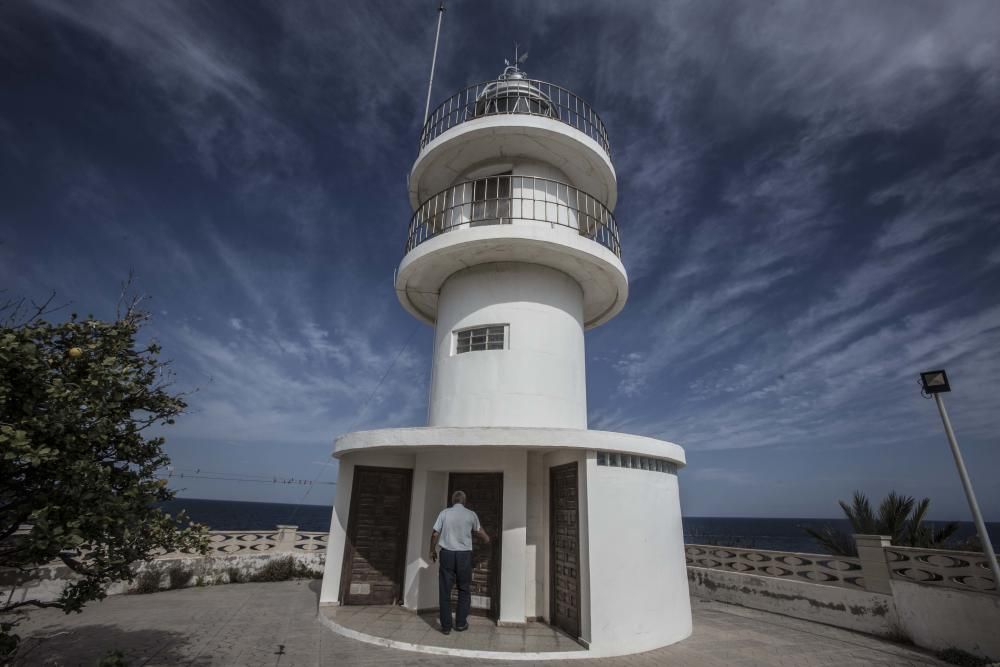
x=900, y=517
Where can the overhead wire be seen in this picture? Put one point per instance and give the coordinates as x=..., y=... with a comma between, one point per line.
x=274, y=480
x=361, y=412
x=198, y=473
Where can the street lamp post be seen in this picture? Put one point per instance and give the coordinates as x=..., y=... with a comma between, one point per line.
x=936, y=383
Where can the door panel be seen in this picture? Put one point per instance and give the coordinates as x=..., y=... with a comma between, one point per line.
x=484, y=496
x=564, y=549
x=375, y=553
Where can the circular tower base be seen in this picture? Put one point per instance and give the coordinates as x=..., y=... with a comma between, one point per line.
x=585, y=526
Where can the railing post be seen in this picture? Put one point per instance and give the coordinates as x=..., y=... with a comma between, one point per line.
x=874, y=568
x=286, y=538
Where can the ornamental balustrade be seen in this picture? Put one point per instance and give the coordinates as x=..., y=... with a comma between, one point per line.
x=962, y=570
x=823, y=569
x=284, y=539
x=959, y=570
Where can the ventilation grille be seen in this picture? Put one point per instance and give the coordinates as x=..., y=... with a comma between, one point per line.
x=616, y=460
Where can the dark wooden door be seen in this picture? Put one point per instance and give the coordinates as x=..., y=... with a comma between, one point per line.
x=564, y=549
x=375, y=552
x=484, y=496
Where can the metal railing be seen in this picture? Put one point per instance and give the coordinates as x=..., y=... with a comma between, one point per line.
x=507, y=199
x=515, y=96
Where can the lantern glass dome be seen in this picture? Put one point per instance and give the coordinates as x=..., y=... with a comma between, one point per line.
x=513, y=92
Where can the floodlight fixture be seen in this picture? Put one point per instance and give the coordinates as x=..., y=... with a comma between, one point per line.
x=935, y=382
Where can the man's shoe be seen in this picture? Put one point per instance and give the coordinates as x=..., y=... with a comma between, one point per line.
x=445, y=631
x=462, y=628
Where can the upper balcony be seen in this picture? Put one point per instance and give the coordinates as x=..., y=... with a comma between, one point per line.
x=513, y=118
x=515, y=95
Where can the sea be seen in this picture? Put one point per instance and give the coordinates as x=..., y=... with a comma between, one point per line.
x=748, y=533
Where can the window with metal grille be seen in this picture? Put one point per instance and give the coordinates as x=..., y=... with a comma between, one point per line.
x=480, y=338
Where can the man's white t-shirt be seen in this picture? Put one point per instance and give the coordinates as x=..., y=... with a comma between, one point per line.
x=455, y=526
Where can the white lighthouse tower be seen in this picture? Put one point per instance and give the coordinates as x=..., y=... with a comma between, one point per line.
x=512, y=253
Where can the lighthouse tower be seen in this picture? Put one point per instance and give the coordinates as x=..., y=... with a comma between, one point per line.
x=511, y=254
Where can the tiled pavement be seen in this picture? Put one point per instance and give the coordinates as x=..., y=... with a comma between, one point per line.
x=276, y=624
x=483, y=635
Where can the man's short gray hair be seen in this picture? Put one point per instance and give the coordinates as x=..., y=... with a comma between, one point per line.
x=458, y=498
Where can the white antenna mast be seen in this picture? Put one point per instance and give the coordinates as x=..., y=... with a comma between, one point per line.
x=430, y=84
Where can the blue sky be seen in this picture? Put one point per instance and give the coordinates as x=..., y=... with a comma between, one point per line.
x=808, y=205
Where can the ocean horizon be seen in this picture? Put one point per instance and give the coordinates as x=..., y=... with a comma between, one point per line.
x=776, y=534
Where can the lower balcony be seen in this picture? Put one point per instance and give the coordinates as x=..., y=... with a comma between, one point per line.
x=508, y=199
x=513, y=219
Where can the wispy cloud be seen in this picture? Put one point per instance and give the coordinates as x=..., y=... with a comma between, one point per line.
x=808, y=207
x=808, y=261
x=258, y=389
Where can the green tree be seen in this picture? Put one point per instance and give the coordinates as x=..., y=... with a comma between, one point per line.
x=898, y=516
x=78, y=467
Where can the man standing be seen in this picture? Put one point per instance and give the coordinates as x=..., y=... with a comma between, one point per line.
x=453, y=533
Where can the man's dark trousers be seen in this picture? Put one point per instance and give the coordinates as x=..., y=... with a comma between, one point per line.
x=454, y=567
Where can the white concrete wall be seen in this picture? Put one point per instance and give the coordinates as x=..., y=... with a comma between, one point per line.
x=430, y=490
x=330, y=592
x=597, y=269
x=529, y=200
x=430, y=496
x=638, y=585
x=859, y=610
x=46, y=584
x=540, y=379
x=535, y=577
x=941, y=618
x=484, y=439
x=519, y=138
x=517, y=166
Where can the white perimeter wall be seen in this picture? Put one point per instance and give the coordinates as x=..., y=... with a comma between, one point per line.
x=638, y=575
x=854, y=609
x=540, y=379
x=941, y=618
x=932, y=617
x=47, y=582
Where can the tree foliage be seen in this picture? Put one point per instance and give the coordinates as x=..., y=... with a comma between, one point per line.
x=78, y=466
x=898, y=516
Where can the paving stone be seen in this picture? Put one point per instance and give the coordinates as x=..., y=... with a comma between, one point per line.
x=513, y=644
x=276, y=624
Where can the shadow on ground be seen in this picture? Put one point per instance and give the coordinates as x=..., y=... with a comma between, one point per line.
x=431, y=619
x=316, y=586
x=77, y=646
